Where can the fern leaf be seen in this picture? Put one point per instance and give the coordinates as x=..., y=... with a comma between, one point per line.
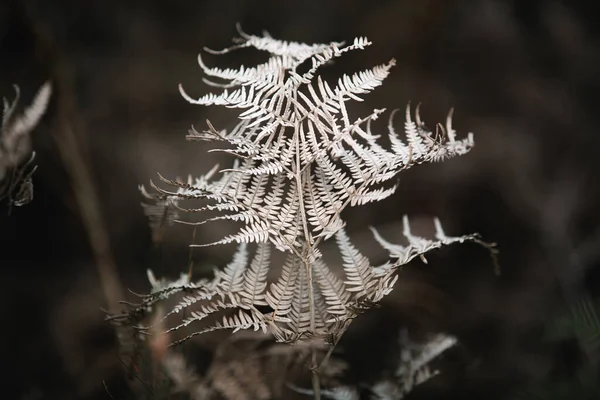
x=300, y=158
x=359, y=273
x=255, y=278
x=419, y=246
x=281, y=293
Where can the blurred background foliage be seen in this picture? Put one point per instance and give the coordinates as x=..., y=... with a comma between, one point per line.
x=522, y=75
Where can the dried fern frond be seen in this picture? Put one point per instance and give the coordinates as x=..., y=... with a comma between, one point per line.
x=299, y=161
x=302, y=160
x=238, y=293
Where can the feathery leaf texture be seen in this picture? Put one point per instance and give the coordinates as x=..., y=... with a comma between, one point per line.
x=299, y=162
x=242, y=287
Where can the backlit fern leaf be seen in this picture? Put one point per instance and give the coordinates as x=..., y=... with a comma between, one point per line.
x=299, y=161
x=286, y=132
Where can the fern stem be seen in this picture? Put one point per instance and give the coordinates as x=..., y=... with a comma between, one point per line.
x=314, y=377
x=307, y=245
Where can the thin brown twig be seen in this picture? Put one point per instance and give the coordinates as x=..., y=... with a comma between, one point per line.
x=70, y=138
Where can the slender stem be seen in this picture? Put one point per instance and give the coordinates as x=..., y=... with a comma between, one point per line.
x=314, y=370
x=307, y=245
x=308, y=249
x=70, y=137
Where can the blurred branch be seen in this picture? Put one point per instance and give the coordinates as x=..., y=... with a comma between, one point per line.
x=70, y=140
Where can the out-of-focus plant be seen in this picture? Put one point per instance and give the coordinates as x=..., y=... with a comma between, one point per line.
x=16, y=157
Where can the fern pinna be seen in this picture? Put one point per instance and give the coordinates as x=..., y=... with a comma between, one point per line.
x=299, y=161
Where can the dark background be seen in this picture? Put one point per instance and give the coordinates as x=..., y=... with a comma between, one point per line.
x=522, y=75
